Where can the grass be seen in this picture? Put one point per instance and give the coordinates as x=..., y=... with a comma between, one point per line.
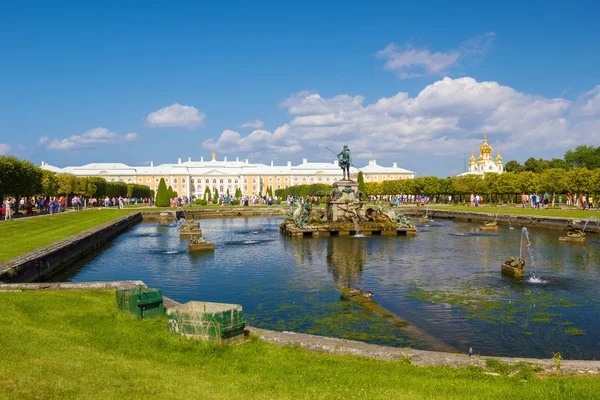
x=76, y=345
x=24, y=235
x=522, y=211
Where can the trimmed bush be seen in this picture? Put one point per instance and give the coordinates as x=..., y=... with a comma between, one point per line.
x=236, y=202
x=162, y=194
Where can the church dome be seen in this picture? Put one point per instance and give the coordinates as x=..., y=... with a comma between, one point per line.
x=485, y=147
x=472, y=159
x=499, y=158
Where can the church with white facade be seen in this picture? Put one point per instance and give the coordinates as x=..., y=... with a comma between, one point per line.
x=485, y=163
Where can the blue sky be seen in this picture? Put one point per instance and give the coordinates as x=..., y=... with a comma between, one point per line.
x=138, y=81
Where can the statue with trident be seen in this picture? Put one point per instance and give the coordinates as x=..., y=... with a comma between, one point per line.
x=345, y=160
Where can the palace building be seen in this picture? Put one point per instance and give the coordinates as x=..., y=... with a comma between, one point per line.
x=485, y=163
x=191, y=178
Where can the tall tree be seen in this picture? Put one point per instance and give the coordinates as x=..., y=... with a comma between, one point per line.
x=513, y=166
x=583, y=156
x=552, y=181
x=361, y=182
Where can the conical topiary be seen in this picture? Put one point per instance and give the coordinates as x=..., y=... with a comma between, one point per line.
x=162, y=195
x=361, y=182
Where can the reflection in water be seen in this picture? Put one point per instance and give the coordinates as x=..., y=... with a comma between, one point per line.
x=446, y=281
x=345, y=259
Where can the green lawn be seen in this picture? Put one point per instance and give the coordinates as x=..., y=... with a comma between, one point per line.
x=20, y=236
x=522, y=211
x=76, y=345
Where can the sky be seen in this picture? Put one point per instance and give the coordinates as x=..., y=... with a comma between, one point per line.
x=417, y=83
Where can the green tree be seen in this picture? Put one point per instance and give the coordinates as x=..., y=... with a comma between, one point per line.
x=558, y=163
x=579, y=181
x=162, y=194
x=215, y=199
x=170, y=193
x=552, y=181
x=206, y=193
x=18, y=178
x=537, y=166
x=513, y=166
x=227, y=193
x=66, y=184
x=361, y=182
x=583, y=157
x=49, y=183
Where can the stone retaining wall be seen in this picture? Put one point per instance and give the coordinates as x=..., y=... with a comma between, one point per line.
x=515, y=219
x=221, y=212
x=46, y=261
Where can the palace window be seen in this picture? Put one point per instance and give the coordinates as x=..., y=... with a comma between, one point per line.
x=245, y=188
x=148, y=180
x=182, y=180
x=156, y=180
x=193, y=181
x=228, y=180
x=270, y=179
x=167, y=180
x=183, y=188
x=220, y=180
x=207, y=181
x=221, y=189
x=121, y=179
x=285, y=179
x=295, y=179
x=253, y=180
x=245, y=180
x=327, y=179
x=278, y=186
x=174, y=180
x=383, y=178
x=312, y=179
x=320, y=179
x=140, y=180
x=368, y=178
x=236, y=181
x=304, y=179
x=286, y=186
x=375, y=178
x=278, y=179
x=112, y=179
x=214, y=181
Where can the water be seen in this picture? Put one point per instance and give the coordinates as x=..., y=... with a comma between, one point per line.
x=432, y=280
x=502, y=212
x=356, y=228
x=527, y=256
x=592, y=218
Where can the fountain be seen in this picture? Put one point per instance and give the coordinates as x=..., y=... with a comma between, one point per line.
x=502, y=212
x=575, y=235
x=425, y=219
x=199, y=243
x=346, y=212
x=356, y=228
x=514, y=266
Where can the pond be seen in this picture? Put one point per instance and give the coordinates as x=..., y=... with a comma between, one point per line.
x=445, y=281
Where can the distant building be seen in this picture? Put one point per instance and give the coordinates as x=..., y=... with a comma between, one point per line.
x=191, y=178
x=485, y=163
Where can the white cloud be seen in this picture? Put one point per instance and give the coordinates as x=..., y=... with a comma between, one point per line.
x=176, y=116
x=412, y=62
x=4, y=149
x=447, y=117
x=257, y=124
x=589, y=103
x=91, y=138
x=43, y=140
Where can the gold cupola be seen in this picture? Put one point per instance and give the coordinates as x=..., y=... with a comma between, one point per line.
x=485, y=147
x=472, y=159
x=499, y=158
x=214, y=156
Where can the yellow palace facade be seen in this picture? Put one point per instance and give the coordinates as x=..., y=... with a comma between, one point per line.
x=191, y=178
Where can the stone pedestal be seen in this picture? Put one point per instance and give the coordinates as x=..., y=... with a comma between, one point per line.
x=348, y=204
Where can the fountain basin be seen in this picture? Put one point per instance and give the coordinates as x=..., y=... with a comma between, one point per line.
x=337, y=230
x=197, y=247
x=515, y=272
x=190, y=232
x=573, y=239
x=489, y=227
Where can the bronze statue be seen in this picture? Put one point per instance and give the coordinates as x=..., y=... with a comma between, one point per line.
x=345, y=160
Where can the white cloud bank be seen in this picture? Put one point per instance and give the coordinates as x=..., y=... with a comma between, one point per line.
x=4, y=149
x=411, y=62
x=447, y=117
x=256, y=124
x=176, y=116
x=91, y=138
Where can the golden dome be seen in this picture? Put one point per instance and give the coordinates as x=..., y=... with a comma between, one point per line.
x=499, y=158
x=485, y=147
x=214, y=156
x=472, y=160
